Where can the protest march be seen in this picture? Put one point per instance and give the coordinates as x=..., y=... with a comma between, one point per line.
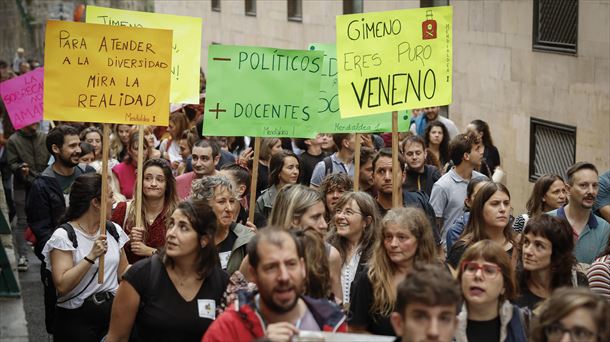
x=162, y=189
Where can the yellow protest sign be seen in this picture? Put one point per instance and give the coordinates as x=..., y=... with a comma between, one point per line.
x=395, y=60
x=99, y=73
x=186, y=47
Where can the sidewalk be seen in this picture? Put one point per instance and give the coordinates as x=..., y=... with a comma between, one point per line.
x=13, y=325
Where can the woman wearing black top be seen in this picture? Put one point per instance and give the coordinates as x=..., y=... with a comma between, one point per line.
x=489, y=219
x=437, y=143
x=491, y=156
x=546, y=260
x=405, y=239
x=173, y=296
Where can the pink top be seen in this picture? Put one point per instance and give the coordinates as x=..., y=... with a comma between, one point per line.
x=184, y=185
x=126, y=175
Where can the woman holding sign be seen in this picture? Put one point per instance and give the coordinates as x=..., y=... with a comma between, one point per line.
x=173, y=296
x=159, y=201
x=72, y=255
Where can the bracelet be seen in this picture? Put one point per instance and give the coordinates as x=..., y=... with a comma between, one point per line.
x=155, y=251
x=89, y=261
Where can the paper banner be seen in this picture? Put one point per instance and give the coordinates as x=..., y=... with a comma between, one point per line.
x=262, y=92
x=394, y=60
x=22, y=97
x=186, y=47
x=100, y=73
x=331, y=121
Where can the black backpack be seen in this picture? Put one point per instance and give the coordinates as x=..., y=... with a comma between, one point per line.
x=47, y=277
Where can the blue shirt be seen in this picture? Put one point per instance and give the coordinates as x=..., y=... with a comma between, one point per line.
x=592, y=240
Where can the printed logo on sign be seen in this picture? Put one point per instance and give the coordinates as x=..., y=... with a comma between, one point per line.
x=428, y=27
x=207, y=308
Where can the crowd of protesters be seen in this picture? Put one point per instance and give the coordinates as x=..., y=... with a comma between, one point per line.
x=453, y=262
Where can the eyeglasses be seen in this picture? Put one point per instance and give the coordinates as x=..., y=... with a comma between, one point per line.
x=556, y=331
x=489, y=270
x=347, y=212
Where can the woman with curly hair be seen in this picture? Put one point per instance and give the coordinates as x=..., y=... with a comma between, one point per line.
x=546, y=260
x=491, y=156
x=405, y=239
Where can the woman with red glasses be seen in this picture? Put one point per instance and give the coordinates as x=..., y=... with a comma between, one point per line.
x=488, y=285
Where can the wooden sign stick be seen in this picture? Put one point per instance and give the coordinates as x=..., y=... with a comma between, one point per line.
x=104, y=200
x=357, y=162
x=139, y=194
x=396, y=168
x=254, y=180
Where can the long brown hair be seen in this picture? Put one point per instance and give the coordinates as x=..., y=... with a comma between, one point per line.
x=170, y=200
x=368, y=209
x=317, y=281
x=535, y=205
x=475, y=228
x=381, y=268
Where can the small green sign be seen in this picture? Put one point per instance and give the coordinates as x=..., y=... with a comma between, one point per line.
x=262, y=92
x=331, y=121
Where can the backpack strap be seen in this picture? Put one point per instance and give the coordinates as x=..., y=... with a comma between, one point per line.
x=71, y=234
x=328, y=166
x=110, y=228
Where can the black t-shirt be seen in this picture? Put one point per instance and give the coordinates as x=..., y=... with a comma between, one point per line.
x=483, y=330
x=163, y=314
x=361, y=300
x=307, y=163
x=262, y=182
x=225, y=248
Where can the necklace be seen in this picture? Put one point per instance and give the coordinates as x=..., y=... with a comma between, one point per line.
x=86, y=231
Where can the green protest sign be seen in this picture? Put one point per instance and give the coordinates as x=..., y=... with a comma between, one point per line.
x=262, y=92
x=330, y=120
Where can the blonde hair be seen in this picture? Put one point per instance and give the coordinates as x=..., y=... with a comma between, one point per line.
x=291, y=202
x=381, y=268
x=266, y=145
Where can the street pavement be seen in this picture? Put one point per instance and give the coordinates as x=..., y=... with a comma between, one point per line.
x=33, y=300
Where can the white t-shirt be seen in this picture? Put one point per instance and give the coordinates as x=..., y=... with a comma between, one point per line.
x=59, y=240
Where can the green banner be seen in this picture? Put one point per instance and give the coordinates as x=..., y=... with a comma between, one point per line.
x=331, y=121
x=262, y=92
x=394, y=60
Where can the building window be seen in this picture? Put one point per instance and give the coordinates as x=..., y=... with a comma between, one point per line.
x=251, y=8
x=352, y=6
x=552, y=148
x=433, y=3
x=295, y=10
x=216, y=5
x=555, y=25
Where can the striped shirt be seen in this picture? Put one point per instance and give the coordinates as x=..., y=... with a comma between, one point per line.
x=599, y=276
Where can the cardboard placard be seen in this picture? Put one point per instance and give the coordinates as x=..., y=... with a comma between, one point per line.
x=109, y=74
x=22, y=97
x=186, y=51
x=331, y=119
x=395, y=60
x=262, y=92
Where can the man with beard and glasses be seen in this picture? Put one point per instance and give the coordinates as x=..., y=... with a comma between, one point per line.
x=278, y=311
x=590, y=231
x=48, y=199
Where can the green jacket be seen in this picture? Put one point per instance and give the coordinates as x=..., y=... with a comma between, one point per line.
x=238, y=252
x=30, y=149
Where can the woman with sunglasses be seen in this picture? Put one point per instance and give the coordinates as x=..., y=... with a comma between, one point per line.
x=546, y=260
x=489, y=219
x=578, y=313
x=488, y=285
x=404, y=240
